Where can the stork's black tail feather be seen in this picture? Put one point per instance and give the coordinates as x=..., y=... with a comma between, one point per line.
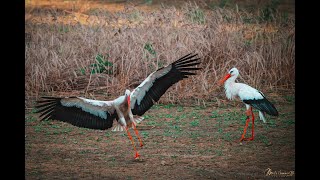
x=263, y=105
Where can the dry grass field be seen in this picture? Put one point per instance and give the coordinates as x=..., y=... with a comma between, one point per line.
x=97, y=49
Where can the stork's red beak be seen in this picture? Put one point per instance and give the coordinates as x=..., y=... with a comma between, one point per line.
x=225, y=78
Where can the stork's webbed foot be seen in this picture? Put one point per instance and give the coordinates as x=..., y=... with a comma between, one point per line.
x=248, y=139
x=137, y=156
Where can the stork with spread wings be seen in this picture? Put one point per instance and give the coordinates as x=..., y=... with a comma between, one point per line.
x=95, y=114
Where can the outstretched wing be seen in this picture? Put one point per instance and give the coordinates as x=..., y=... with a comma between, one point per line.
x=78, y=111
x=157, y=83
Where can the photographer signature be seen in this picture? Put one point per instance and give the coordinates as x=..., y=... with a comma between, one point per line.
x=269, y=172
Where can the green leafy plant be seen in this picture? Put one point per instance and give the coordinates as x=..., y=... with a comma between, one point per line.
x=64, y=29
x=218, y=152
x=227, y=18
x=168, y=106
x=150, y=53
x=290, y=98
x=195, y=123
x=180, y=108
x=148, y=2
x=135, y=16
x=247, y=43
x=284, y=18
x=289, y=121
x=223, y=3
x=82, y=71
x=30, y=119
x=197, y=16
x=247, y=20
x=144, y=134
x=150, y=49
x=102, y=65
x=227, y=136
x=263, y=138
x=220, y=4
x=214, y=114
x=267, y=13
x=194, y=135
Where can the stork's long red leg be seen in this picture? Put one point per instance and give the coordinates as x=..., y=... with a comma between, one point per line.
x=252, y=124
x=136, y=131
x=134, y=147
x=245, y=129
x=252, y=131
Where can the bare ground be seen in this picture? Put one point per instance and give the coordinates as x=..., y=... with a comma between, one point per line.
x=186, y=143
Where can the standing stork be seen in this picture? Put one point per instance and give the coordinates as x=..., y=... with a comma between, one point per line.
x=96, y=114
x=250, y=96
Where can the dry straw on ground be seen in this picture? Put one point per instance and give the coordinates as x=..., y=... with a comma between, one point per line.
x=60, y=46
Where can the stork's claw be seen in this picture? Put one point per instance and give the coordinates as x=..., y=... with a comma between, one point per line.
x=241, y=139
x=137, y=155
x=248, y=139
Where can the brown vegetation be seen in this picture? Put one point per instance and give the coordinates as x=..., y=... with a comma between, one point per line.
x=63, y=42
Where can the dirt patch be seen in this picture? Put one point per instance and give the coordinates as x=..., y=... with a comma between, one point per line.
x=186, y=143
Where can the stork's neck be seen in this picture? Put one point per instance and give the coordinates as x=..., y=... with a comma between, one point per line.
x=229, y=82
x=230, y=89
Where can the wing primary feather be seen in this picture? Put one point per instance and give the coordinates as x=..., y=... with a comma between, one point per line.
x=153, y=93
x=47, y=97
x=189, y=69
x=187, y=57
x=186, y=61
x=46, y=101
x=188, y=73
x=46, y=112
x=186, y=65
x=46, y=106
x=47, y=116
x=184, y=57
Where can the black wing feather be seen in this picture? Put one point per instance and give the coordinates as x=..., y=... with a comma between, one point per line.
x=53, y=109
x=187, y=61
x=180, y=69
x=263, y=105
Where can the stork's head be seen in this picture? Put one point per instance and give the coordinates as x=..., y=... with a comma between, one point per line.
x=233, y=73
x=127, y=95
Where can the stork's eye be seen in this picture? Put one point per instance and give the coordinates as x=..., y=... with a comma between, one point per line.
x=231, y=72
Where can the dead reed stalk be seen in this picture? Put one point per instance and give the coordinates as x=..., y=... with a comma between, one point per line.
x=59, y=52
